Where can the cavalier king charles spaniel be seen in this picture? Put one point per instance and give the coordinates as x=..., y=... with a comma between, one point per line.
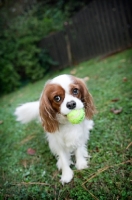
x=59, y=96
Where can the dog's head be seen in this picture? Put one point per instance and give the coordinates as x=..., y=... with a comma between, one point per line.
x=61, y=95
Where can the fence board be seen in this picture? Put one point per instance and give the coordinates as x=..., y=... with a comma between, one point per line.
x=128, y=14
x=57, y=47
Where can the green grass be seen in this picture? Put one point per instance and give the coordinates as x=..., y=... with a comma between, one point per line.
x=23, y=176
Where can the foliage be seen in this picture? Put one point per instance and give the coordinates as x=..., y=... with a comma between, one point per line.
x=21, y=30
x=19, y=37
x=24, y=176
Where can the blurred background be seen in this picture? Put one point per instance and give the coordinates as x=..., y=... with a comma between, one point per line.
x=38, y=37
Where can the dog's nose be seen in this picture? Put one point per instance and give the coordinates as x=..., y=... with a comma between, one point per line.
x=71, y=105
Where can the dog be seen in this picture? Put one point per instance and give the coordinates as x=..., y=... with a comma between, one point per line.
x=59, y=97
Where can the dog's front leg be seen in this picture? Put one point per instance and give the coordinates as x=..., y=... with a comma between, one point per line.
x=81, y=155
x=63, y=163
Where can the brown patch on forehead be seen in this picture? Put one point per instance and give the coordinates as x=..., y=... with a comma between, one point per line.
x=77, y=84
x=52, y=90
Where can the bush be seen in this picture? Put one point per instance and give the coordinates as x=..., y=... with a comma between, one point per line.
x=21, y=57
x=9, y=79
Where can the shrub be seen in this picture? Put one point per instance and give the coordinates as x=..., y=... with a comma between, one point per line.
x=21, y=57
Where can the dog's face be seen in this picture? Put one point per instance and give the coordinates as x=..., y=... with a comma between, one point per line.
x=61, y=95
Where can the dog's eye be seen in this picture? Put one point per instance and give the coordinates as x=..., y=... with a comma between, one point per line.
x=75, y=91
x=57, y=98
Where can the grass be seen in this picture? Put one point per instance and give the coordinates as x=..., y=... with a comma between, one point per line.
x=24, y=176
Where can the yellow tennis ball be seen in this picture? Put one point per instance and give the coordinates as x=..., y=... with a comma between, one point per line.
x=76, y=116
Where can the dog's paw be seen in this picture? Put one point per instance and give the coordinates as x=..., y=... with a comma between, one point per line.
x=82, y=164
x=66, y=176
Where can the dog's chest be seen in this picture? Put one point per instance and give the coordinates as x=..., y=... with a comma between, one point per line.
x=69, y=137
x=72, y=136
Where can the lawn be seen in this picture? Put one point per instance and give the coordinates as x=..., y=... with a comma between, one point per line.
x=25, y=176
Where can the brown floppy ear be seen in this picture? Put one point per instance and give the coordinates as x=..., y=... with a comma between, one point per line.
x=87, y=99
x=89, y=105
x=47, y=114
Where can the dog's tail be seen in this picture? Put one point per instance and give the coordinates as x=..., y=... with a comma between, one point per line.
x=27, y=112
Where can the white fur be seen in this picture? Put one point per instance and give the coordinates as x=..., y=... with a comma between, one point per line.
x=63, y=80
x=70, y=139
x=27, y=112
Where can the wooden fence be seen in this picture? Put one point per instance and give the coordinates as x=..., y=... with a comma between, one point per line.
x=103, y=27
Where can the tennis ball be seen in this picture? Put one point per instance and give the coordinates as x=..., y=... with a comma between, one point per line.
x=76, y=116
